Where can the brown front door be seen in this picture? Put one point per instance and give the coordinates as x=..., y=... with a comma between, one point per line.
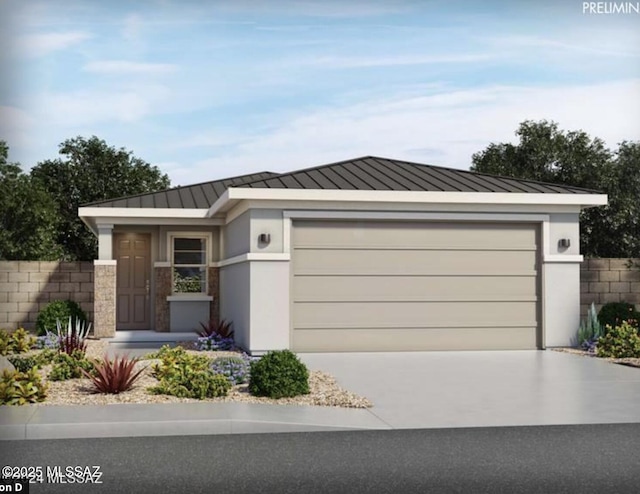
x=133, y=253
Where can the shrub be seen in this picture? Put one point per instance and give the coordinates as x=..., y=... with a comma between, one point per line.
x=69, y=366
x=114, y=376
x=614, y=313
x=235, y=369
x=187, y=376
x=166, y=351
x=58, y=310
x=20, y=388
x=5, y=342
x=590, y=330
x=620, y=342
x=279, y=374
x=24, y=364
x=46, y=356
x=193, y=384
x=18, y=341
x=49, y=340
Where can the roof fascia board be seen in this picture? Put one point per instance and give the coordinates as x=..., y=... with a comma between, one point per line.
x=100, y=212
x=408, y=197
x=243, y=206
x=220, y=203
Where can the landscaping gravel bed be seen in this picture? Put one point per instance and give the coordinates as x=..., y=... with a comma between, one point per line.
x=324, y=390
x=631, y=362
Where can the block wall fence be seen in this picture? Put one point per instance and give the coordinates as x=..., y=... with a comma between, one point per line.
x=609, y=280
x=27, y=286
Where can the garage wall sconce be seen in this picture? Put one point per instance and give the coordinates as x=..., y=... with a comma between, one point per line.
x=264, y=238
x=564, y=243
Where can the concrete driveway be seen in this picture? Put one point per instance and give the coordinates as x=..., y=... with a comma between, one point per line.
x=475, y=389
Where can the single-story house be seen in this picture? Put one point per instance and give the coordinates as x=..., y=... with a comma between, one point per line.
x=369, y=254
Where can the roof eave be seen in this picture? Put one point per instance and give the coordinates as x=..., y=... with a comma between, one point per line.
x=232, y=195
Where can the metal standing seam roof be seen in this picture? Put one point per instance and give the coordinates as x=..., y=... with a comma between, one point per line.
x=366, y=173
x=380, y=174
x=196, y=196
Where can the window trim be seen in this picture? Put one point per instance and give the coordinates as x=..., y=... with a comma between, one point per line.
x=208, y=237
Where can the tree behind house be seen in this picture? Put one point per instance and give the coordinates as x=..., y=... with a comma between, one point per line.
x=548, y=154
x=90, y=171
x=29, y=221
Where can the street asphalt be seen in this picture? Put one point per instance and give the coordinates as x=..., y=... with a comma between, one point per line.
x=550, y=459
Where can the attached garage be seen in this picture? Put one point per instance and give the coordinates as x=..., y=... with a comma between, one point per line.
x=397, y=286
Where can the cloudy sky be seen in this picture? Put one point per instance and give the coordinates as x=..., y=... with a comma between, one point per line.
x=208, y=89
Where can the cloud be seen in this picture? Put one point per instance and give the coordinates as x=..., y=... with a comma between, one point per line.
x=38, y=45
x=363, y=62
x=442, y=129
x=125, y=67
x=85, y=107
x=132, y=26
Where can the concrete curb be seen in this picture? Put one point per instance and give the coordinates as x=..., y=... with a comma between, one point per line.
x=136, y=420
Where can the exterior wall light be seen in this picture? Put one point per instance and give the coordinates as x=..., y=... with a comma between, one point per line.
x=264, y=238
x=565, y=243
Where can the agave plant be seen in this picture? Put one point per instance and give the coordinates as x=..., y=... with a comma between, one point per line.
x=590, y=330
x=114, y=376
x=73, y=337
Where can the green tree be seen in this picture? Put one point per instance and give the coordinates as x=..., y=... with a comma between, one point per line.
x=28, y=214
x=548, y=154
x=90, y=171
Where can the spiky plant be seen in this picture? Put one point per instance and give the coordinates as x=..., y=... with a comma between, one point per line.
x=114, y=376
x=220, y=328
x=73, y=336
x=590, y=330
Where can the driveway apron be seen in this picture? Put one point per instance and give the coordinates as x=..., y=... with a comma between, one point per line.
x=489, y=388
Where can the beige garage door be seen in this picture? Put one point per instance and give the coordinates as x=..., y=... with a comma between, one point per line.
x=399, y=286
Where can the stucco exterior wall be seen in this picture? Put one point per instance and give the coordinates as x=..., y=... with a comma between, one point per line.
x=236, y=236
x=235, y=300
x=270, y=306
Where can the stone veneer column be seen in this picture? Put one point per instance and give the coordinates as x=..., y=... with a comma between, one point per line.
x=163, y=290
x=104, y=305
x=214, y=291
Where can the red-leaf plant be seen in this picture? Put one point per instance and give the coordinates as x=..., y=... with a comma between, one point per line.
x=114, y=376
x=222, y=329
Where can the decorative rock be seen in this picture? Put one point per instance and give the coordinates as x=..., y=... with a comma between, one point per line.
x=5, y=364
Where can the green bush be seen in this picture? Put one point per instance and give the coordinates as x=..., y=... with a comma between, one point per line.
x=619, y=342
x=20, y=388
x=24, y=364
x=187, y=376
x=279, y=374
x=18, y=341
x=67, y=366
x=189, y=383
x=58, y=310
x=46, y=356
x=614, y=313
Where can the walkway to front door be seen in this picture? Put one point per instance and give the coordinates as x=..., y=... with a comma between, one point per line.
x=133, y=253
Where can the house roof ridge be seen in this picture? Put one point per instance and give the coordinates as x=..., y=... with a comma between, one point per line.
x=308, y=169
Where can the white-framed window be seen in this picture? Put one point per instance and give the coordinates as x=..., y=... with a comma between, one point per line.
x=189, y=262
